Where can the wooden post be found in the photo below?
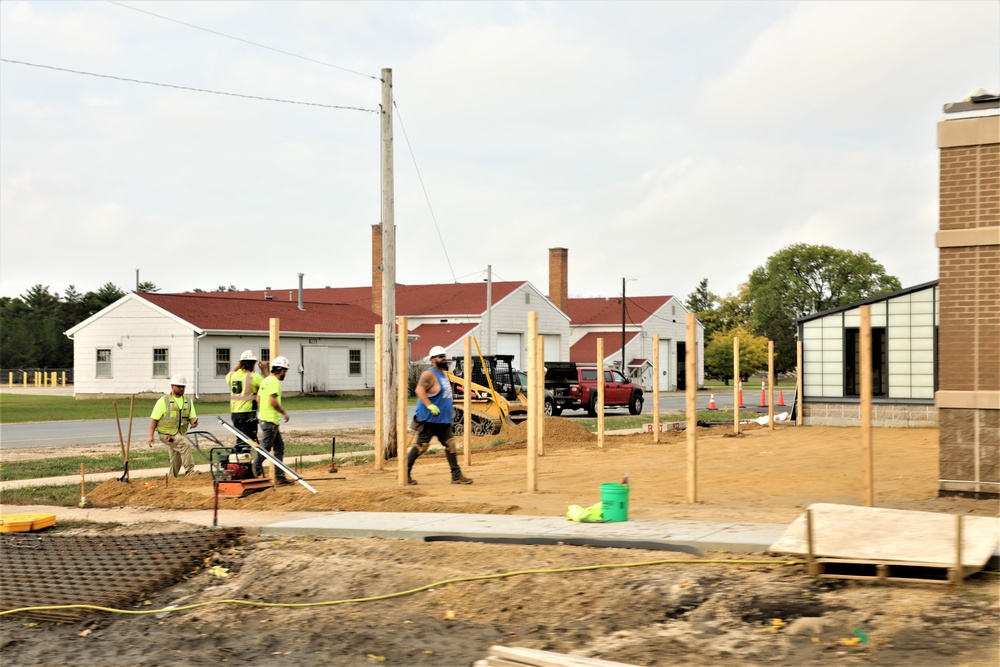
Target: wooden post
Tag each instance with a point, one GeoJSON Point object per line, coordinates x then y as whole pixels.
{"type": "Point", "coordinates": [867, 458]}
{"type": "Point", "coordinates": [798, 383]}
{"type": "Point", "coordinates": [532, 397]}
{"type": "Point", "coordinates": [736, 385]}
{"type": "Point", "coordinates": [467, 405]}
{"type": "Point", "coordinates": [656, 388]}
{"type": "Point", "coordinates": [275, 338]}
{"type": "Point", "coordinates": [600, 393]}
{"type": "Point", "coordinates": [402, 396]}
{"type": "Point", "coordinates": [691, 428]}
{"type": "Point", "coordinates": [770, 386]}
{"type": "Point", "coordinates": [959, 574]}
{"type": "Point", "coordinates": [389, 387]}
{"type": "Point", "coordinates": [811, 568]}
{"type": "Point", "coordinates": [379, 440]}
{"type": "Point", "coordinates": [83, 487]}
{"type": "Point", "coordinates": [538, 386]}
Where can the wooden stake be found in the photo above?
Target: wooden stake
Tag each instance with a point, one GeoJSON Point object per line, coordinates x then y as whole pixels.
{"type": "Point", "coordinates": [958, 574]}
{"type": "Point", "coordinates": [600, 393]}
{"type": "Point", "coordinates": [467, 405]}
{"type": "Point", "coordinates": [770, 386]}
{"type": "Point", "coordinates": [121, 440]}
{"type": "Point", "coordinates": [538, 386]}
{"type": "Point", "coordinates": [656, 388]}
{"type": "Point", "coordinates": [810, 554]}
{"type": "Point", "coordinates": [83, 487]}
{"type": "Point", "coordinates": [736, 385]}
{"type": "Point", "coordinates": [798, 384]}
{"type": "Point", "coordinates": [378, 439]}
{"type": "Point", "coordinates": [128, 443]}
{"type": "Point", "coordinates": [402, 395]}
{"type": "Point", "coordinates": [691, 352]}
{"type": "Point", "coordinates": [532, 462]}
{"type": "Point", "coordinates": [274, 337]}
{"type": "Point", "coordinates": [867, 458]}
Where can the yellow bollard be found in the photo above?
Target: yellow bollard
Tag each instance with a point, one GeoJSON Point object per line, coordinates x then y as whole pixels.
{"type": "Point", "coordinates": [54, 378]}
{"type": "Point", "coordinates": [36, 379]}
{"type": "Point", "coordinates": [10, 379]}
{"type": "Point", "coordinates": [64, 378]}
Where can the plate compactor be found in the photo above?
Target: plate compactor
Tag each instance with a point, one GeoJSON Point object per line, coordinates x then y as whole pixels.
{"type": "Point", "coordinates": [232, 466]}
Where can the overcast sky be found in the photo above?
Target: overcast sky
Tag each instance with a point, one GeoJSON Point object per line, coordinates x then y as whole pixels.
{"type": "Point", "coordinates": [662, 142]}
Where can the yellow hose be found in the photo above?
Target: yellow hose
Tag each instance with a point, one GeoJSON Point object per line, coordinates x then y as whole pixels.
{"type": "Point", "coordinates": [437, 584]}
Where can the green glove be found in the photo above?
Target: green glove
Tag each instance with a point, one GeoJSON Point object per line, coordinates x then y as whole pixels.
{"type": "Point", "coordinates": [434, 410]}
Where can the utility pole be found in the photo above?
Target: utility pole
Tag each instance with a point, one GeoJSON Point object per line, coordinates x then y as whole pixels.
{"type": "Point", "coordinates": [389, 386]}
{"type": "Point", "coordinates": [489, 308]}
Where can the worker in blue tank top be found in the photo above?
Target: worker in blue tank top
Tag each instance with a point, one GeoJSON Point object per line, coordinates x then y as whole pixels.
{"type": "Point", "coordinates": [435, 410]}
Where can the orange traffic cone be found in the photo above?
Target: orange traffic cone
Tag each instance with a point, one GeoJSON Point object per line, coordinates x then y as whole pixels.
{"type": "Point", "coordinates": [763, 394]}
{"type": "Point", "coordinates": [741, 394]}
{"type": "Point", "coordinates": [781, 398]}
{"type": "Point", "coordinates": [711, 402]}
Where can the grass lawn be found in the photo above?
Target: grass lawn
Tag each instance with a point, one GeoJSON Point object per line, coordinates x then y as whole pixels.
{"type": "Point", "coordinates": [20, 408]}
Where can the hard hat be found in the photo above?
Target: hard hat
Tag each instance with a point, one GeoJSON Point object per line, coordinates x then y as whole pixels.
{"type": "Point", "coordinates": [248, 355]}
{"type": "Point", "coordinates": [179, 380]}
{"type": "Point", "coordinates": [438, 351]}
{"type": "Point", "coordinates": [280, 362]}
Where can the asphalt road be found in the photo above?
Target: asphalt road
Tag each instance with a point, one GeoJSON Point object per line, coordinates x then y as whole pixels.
{"type": "Point", "coordinates": [97, 431]}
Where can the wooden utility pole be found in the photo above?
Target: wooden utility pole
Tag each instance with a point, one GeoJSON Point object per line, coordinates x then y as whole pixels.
{"type": "Point", "coordinates": [736, 385]}
{"type": "Point", "coordinates": [379, 403]}
{"type": "Point", "coordinates": [867, 458]}
{"type": "Point", "coordinates": [656, 388]}
{"type": "Point", "coordinates": [389, 335]}
{"type": "Point", "coordinates": [538, 386]}
{"type": "Point", "coordinates": [691, 428]}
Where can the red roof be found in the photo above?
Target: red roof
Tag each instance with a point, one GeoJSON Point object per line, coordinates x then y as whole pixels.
{"type": "Point", "coordinates": [211, 312]}
{"type": "Point", "coordinates": [437, 334]}
{"type": "Point", "coordinates": [584, 351]}
{"type": "Point", "coordinates": [600, 310]}
{"type": "Point", "coordinates": [411, 300]}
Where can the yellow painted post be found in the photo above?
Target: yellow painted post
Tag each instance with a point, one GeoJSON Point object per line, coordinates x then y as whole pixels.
{"type": "Point", "coordinates": [656, 388]}
{"type": "Point", "coordinates": [64, 378]}
{"type": "Point", "coordinates": [53, 379]}
{"type": "Point", "coordinates": [10, 379]}
{"type": "Point", "coordinates": [403, 396]}
{"type": "Point", "coordinates": [691, 428]}
{"type": "Point", "coordinates": [867, 458]}
{"type": "Point", "coordinates": [600, 393]}
{"type": "Point", "coordinates": [532, 397]}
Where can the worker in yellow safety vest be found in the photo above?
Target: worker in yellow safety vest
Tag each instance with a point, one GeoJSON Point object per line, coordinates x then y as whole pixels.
{"type": "Point", "coordinates": [172, 414]}
{"type": "Point", "coordinates": [243, 385]}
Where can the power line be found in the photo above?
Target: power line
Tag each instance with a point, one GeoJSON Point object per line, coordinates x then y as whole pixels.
{"type": "Point", "coordinates": [245, 41]}
{"type": "Point", "coordinates": [197, 90]}
{"type": "Point", "coordinates": [426, 198]}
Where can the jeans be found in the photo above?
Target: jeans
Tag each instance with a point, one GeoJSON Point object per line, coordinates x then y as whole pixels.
{"type": "Point", "coordinates": [273, 443]}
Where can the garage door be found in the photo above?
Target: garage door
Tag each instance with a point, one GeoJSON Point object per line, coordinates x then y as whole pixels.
{"type": "Point", "coordinates": [510, 343]}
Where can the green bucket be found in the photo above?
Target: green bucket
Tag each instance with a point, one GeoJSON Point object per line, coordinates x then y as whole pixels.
{"type": "Point", "coordinates": [614, 502]}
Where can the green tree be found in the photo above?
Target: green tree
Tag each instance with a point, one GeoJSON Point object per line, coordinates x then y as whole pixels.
{"type": "Point", "coordinates": [702, 303]}
{"type": "Point", "coordinates": [103, 297]}
{"type": "Point", "coordinates": [147, 286]}
{"type": "Point", "coordinates": [719, 354]}
{"type": "Point", "coordinates": [802, 279]}
{"type": "Point", "coordinates": [734, 309]}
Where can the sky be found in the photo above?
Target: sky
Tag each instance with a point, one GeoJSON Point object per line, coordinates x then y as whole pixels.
{"type": "Point", "coordinates": [661, 143]}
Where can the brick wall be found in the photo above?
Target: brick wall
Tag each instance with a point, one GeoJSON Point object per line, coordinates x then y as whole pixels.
{"type": "Point", "coordinates": [559, 278]}
{"type": "Point", "coordinates": [968, 397]}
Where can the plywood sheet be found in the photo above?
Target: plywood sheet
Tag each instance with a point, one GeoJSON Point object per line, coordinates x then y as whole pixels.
{"type": "Point", "coordinates": [874, 533]}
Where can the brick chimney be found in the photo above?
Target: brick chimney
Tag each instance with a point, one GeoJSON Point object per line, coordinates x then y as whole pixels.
{"type": "Point", "coordinates": [376, 269]}
{"type": "Point", "coordinates": [559, 278]}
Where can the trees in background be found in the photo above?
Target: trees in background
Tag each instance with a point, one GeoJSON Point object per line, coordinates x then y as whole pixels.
{"type": "Point", "coordinates": [798, 280]}
{"type": "Point", "coordinates": [32, 325]}
{"type": "Point", "coordinates": [719, 354]}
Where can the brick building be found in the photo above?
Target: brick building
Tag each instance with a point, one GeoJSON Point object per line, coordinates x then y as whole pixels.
{"type": "Point", "coordinates": [968, 396]}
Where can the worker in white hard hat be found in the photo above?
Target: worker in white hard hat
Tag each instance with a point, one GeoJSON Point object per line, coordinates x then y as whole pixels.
{"type": "Point", "coordinates": [172, 414]}
{"type": "Point", "coordinates": [270, 413]}
{"type": "Point", "coordinates": [243, 385]}
{"type": "Point", "coordinates": [435, 410]}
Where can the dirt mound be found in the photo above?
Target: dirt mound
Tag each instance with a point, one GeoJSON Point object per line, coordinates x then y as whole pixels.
{"type": "Point", "coordinates": [554, 430]}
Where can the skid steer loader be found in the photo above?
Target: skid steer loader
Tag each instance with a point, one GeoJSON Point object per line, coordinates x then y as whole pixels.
{"type": "Point", "coordinates": [497, 396]}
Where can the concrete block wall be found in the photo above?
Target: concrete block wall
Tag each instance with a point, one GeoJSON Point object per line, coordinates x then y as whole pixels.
{"type": "Point", "coordinates": [883, 415]}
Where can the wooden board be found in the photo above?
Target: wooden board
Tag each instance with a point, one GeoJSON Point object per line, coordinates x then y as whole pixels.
{"type": "Point", "coordinates": [875, 534]}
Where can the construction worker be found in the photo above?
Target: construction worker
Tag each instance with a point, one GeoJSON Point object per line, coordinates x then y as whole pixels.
{"type": "Point", "coordinates": [270, 414]}
{"type": "Point", "coordinates": [172, 414]}
{"type": "Point", "coordinates": [435, 410]}
{"type": "Point", "coordinates": [243, 385]}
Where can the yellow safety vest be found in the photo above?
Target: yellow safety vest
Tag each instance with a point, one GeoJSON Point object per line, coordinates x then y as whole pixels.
{"type": "Point", "coordinates": [242, 394]}
{"type": "Point", "coordinates": [174, 421]}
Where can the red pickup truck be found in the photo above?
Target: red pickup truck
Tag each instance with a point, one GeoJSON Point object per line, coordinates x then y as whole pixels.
{"type": "Point", "coordinates": [574, 387]}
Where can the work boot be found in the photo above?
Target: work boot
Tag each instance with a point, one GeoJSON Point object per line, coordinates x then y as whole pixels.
{"type": "Point", "coordinates": [411, 458]}
{"type": "Point", "coordinates": [456, 472]}
{"type": "Point", "coordinates": [283, 481]}
{"type": "Point", "coordinates": [411, 481]}
{"type": "Point", "coordinates": [461, 479]}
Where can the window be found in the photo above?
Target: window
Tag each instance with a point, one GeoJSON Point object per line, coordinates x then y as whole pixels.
{"type": "Point", "coordinates": [354, 360]}
{"type": "Point", "coordinates": [221, 361]}
{"type": "Point", "coordinates": [852, 362]}
{"type": "Point", "coordinates": [161, 362]}
{"type": "Point", "coordinates": [104, 362]}
{"type": "Point", "coordinates": [265, 354]}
